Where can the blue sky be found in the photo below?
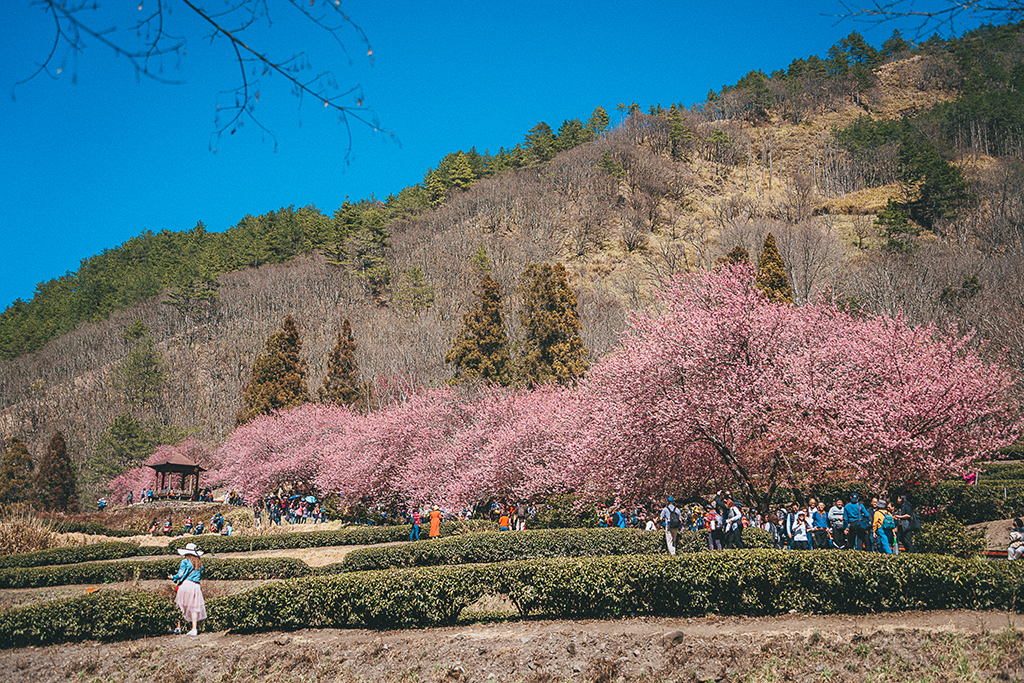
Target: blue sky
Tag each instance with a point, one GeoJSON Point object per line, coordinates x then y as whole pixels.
{"type": "Point", "coordinates": [95, 156]}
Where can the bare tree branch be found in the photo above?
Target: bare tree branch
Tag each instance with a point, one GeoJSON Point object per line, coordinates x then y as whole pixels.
{"type": "Point", "coordinates": [148, 41]}
{"type": "Point", "coordinates": [954, 13]}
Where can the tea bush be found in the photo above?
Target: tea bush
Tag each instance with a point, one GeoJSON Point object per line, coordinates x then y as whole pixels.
{"type": "Point", "coordinates": [947, 536]}
{"type": "Point", "coordinates": [111, 550]}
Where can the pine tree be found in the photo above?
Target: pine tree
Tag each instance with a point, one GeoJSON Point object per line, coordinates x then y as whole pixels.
{"type": "Point", "coordinates": [56, 487]}
{"type": "Point", "coordinates": [771, 273]}
{"type": "Point", "coordinates": [481, 350]}
{"type": "Point", "coordinates": [460, 174]}
{"type": "Point", "coordinates": [598, 121]}
{"type": "Point", "coordinates": [278, 376]}
{"type": "Point", "coordinates": [737, 255]}
{"type": "Point", "coordinates": [413, 295]}
{"type": "Point", "coordinates": [141, 374]}
{"type": "Point", "coordinates": [342, 385]}
{"type": "Point", "coordinates": [435, 189]}
{"type": "Point", "coordinates": [15, 473]}
{"type": "Point", "coordinates": [125, 444]}
{"type": "Point", "coordinates": [553, 349]}
{"type": "Point", "coordinates": [894, 222]}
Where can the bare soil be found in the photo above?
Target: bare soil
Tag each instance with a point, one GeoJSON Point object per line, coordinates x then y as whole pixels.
{"type": "Point", "coordinates": [918, 646]}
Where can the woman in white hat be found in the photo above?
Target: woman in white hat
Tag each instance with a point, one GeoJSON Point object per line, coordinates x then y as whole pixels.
{"type": "Point", "coordinates": [190, 596]}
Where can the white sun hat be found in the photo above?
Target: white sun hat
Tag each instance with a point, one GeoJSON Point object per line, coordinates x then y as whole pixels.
{"type": "Point", "coordinates": [190, 549]}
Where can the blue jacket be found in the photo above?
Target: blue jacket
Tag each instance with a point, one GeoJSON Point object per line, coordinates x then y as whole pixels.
{"type": "Point", "coordinates": [187, 572]}
{"type": "Point", "coordinates": [856, 513]}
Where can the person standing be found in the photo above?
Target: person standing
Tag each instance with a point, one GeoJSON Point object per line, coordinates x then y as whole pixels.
{"type": "Point", "coordinates": [733, 525]}
{"type": "Point", "coordinates": [672, 520]}
{"type": "Point", "coordinates": [835, 523]}
{"type": "Point", "coordinates": [189, 597]}
{"type": "Point", "coordinates": [908, 523]}
{"type": "Point", "coordinates": [1015, 549]}
{"type": "Point", "coordinates": [435, 522]}
{"type": "Point", "coordinates": [880, 524]}
{"type": "Point", "coordinates": [858, 524]}
{"type": "Point", "coordinates": [800, 528]}
{"type": "Point", "coordinates": [414, 535]}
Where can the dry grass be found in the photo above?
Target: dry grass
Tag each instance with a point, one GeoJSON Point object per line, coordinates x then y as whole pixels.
{"type": "Point", "coordinates": [23, 530]}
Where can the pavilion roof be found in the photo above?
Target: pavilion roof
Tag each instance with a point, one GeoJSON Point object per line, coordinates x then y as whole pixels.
{"type": "Point", "coordinates": [175, 462]}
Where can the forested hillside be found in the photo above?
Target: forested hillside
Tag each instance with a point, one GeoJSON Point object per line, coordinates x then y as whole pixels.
{"type": "Point", "coordinates": [891, 176]}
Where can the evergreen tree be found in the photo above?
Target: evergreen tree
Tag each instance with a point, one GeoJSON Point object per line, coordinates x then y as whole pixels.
{"type": "Point", "coordinates": [771, 273]}
{"type": "Point", "coordinates": [480, 351]}
{"type": "Point", "coordinates": [56, 487]}
{"type": "Point", "coordinates": [460, 174]}
{"type": "Point", "coordinates": [193, 295]}
{"type": "Point", "coordinates": [598, 121]}
{"type": "Point", "coordinates": [141, 374]}
{"type": "Point", "coordinates": [342, 385]}
{"type": "Point", "coordinates": [737, 255]}
{"type": "Point", "coordinates": [278, 376]}
{"type": "Point", "coordinates": [413, 295]}
{"type": "Point", "coordinates": [435, 189]}
{"type": "Point", "coordinates": [15, 473]}
{"type": "Point", "coordinates": [125, 444]}
{"type": "Point", "coordinates": [894, 223]}
{"type": "Point", "coordinates": [553, 349]}
{"type": "Point", "coordinates": [541, 141]}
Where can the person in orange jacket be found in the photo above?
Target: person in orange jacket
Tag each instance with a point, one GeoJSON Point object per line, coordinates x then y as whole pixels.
{"type": "Point", "coordinates": [435, 522]}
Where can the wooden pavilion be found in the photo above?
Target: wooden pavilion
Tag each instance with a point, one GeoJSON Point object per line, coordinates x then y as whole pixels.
{"type": "Point", "coordinates": [175, 463]}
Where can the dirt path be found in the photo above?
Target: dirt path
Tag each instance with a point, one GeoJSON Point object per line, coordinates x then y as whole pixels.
{"type": "Point", "coordinates": [920, 646]}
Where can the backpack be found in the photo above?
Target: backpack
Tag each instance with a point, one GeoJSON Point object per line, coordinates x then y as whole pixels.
{"type": "Point", "coordinates": [674, 522]}
{"type": "Point", "coordinates": [888, 522]}
{"type": "Point", "coordinates": [915, 521]}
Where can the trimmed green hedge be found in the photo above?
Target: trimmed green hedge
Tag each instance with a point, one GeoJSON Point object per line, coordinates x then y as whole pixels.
{"type": "Point", "coordinates": [92, 528]}
{"type": "Point", "coordinates": [500, 546]}
{"type": "Point", "coordinates": [748, 582]}
{"type": "Point", "coordinates": [113, 572]}
{"type": "Point", "coordinates": [104, 615]}
{"type": "Point", "coordinates": [363, 535]}
{"type": "Point", "coordinates": [112, 550]}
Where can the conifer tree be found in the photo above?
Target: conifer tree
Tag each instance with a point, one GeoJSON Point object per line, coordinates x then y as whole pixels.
{"type": "Point", "coordinates": [553, 349]}
{"type": "Point", "coordinates": [15, 473]}
{"type": "Point", "coordinates": [413, 294]}
{"type": "Point", "coordinates": [481, 350]}
{"type": "Point", "coordinates": [342, 385]}
{"type": "Point", "coordinates": [737, 255]}
{"type": "Point", "coordinates": [435, 189]}
{"type": "Point", "coordinates": [278, 376]}
{"type": "Point", "coordinates": [56, 487]}
{"type": "Point", "coordinates": [460, 174]}
{"type": "Point", "coordinates": [141, 374]}
{"type": "Point", "coordinates": [771, 273]}
{"type": "Point", "coordinates": [598, 121]}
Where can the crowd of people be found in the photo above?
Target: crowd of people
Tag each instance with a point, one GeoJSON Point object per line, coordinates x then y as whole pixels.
{"type": "Point", "coordinates": [292, 510]}
{"type": "Point", "coordinates": [882, 527]}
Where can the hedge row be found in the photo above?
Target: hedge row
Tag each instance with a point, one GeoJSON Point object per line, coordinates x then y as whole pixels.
{"type": "Point", "coordinates": [111, 550]}
{"type": "Point", "coordinates": [113, 572]}
{"type": "Point", "coordinates": [501, 546]}
{"type": "Point", "coordinates": [110, 615]}
{"type": "Point", "coordinates": [364, 535]}
{"type": "Point", "coordinates": [749, 582]}
{"type": "Point", "coordinates": [93, 529]}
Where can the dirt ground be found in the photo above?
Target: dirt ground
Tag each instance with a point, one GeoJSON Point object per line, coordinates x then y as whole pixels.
{"type": "Point", "coordinates": [918, 646]}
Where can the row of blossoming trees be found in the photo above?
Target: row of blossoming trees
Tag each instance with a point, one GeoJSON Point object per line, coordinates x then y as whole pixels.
{"type": "Point", "coordinates": [715, 384]}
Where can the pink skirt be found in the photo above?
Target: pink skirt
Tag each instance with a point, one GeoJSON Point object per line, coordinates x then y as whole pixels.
{"type": "Point", "coordinates": [190, 601]}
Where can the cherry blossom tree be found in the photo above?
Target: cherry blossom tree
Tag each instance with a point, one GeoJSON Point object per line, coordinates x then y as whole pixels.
{"type": "Point", "coordinates": [722, 385]}
{"type": "Point", "coordinates": [140, 478]}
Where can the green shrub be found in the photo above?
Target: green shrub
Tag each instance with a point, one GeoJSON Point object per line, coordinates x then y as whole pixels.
{"type": "Point", "coordinates": [92, 528]}
{"type": "Point", "coordinates": [361, 535]}
{"type": "Point", "coordinates": [949, 537]}
{"type": "Point", "coordinates": [111, 550]}
{"type": "Point", "coordinates": [112, 615]}
{"type": "Point", "coordinates": [501, 546]}
{"type": "Point", "coordinates": [114, 572]}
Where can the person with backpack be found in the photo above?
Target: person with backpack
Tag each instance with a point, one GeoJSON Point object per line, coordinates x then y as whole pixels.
{"type": "Point", "coordinates": [672, 520]}
{"type": "Point", "coordinates": [857, 523]}
{"type": "Point", "coordinates": [733, 525]}
{"type": "Point", "coordinates": [881, 524]}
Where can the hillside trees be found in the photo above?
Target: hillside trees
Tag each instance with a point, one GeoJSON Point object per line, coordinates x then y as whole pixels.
{"type": "Point", "coordinates": [278, 376]}
{"type": "Point", "coordinates": [16, 473]}
{"type": "Point", "coordinates": [771, 273]}
{"type": "Point", "coordinates": [552, 349]}
{"type": "Point", "coordinates": [141, 374]}
{"type": "Point", "coordinates": [480, 350]}
{"type": "Point", "coordinates": [342, 384]}
{"type": "Point", "coordinates": [125, 444]}
{"type": "Point", "coordinates": [56, 487]}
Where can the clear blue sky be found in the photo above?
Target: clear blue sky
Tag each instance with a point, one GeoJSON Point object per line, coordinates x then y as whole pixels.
{"type": "Point", "coordinates": [94, 157]}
